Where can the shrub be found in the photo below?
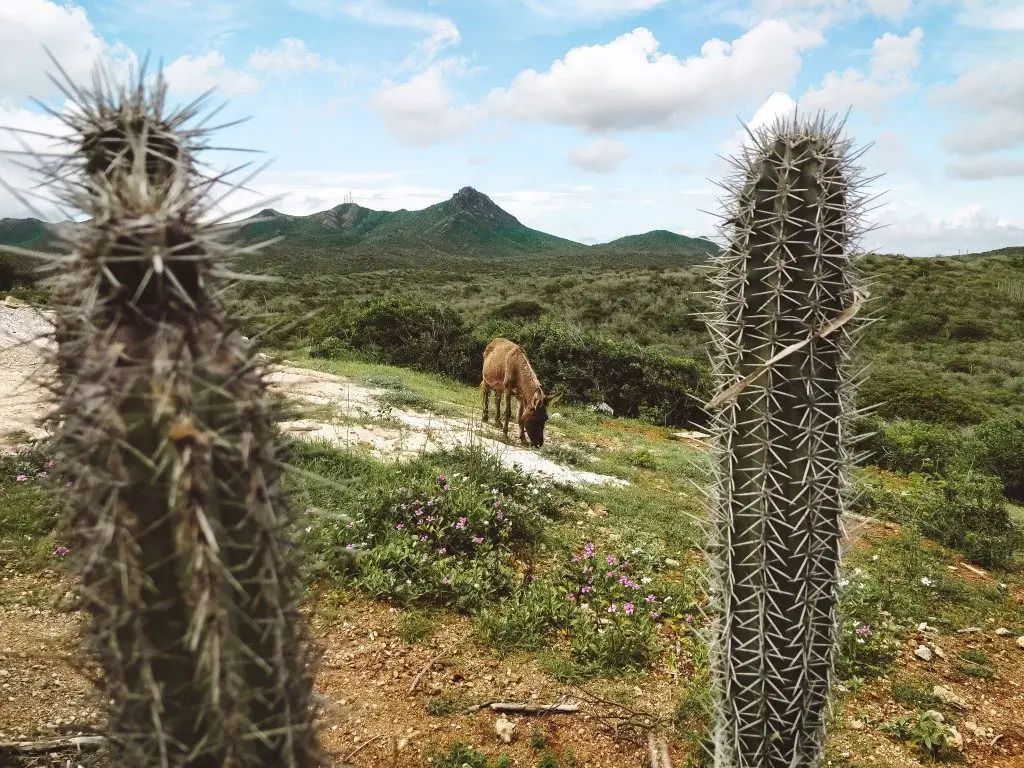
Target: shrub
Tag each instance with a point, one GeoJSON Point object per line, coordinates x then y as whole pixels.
{"type": "Point", "coordinates": [913, 446]}
{"type": "Point", "coordinates": [519, 309]}
{"type": "Point", "coordinates": [917, 396]}
{"type": "Point", "coordinates": [963, 511]}
{"type": "Point", "coordinates": [1002, 451]}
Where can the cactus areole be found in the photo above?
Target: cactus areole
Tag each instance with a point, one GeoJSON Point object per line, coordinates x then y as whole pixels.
{"type": "Point", "coordinates": [785, 294]}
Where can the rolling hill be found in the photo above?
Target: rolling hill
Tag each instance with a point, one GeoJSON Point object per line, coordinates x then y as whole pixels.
{"type": "Point", "coordinates": [467, 230]}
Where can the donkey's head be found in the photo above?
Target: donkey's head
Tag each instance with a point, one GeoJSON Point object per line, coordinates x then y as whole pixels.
{"type": "Point", "coordinates": [535, 416]}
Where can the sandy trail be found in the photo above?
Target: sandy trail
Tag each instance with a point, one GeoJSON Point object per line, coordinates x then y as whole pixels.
{"type": "Point", "coordinates": [404, 433]}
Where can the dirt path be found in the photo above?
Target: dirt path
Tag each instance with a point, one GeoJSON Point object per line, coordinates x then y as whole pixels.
{"type": "Point", "coordinates": [405, 433]}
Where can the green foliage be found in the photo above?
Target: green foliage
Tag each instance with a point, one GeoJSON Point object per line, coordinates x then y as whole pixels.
{"type": "Point", "coordinates": [446, 529]}
{"type": "Point", "coordinates": [964, 511]}
{"type": "Point", "coordinates": [578, 364]}
{"type": "Point", "coordinates": [1002, 450]}
{"type": "Point", "coordinates": [916, 694]}
{"type": "Point", "coordinates": [913, 446]}
{"type": "Point", "coordinates": [904, 392]}
{"type": "Point", "coordinates": [461, 755]}
{"type": "Point", "coordinates": [29, 511]}
{"type": "Point", "coordinates": [925, 731]}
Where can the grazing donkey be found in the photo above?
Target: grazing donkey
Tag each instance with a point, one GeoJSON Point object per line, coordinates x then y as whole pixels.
{"type": "Point", "coordinates": [507, 371]}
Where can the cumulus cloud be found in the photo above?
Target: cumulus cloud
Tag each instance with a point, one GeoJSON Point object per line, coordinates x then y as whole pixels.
{"type": "Point", "coordinates": [1003, 15]}
{"type": "Point", "coordinates": [628, 83]}
{"type": "Point", "coordinates": [602, 155]}
{"type": "Point", "coordinates": [189, 74]}
{"type": "Point", "coordinates": [15, 120]}
{"type": "Point", "coordinates": [969, 228]}
{"type": "Point", "coordinates": [992, 94]}
{"type": "Point", "coordinates": [26, 26]}
{"type": "Point", "coordinates": [422, 110]}
{"type": "Point", "coordinates": [290, 56]}
{"type": "Point", "coordinates": [995, 167]}
{"type": "Point", "coordinates": [888, 76]}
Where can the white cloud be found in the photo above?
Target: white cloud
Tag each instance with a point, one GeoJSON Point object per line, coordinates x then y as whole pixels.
{"type": "Point", "coordinates": [779, 104]}
{"type": "Point", "coordinates": [628, 83]}
{"type": "Point", "coordinates": [28, 25]}
{"type": "Point", "coordinates": [440, 32]}
{"type": "Point", "coordinates": [421, 111]}
{"type": "Point", "coordinates": [209, 70]}
{"type": "Point", "coordinates": [602, 155]}
{"type": "Point", "coordinates": [969, 228]}
{"type": "Point", "coordinates": [893, 58]}
{"type": "Point", "coordinates": [993, 167]}
{"type": "Point", "coordinates": [290, 56]}
{"type": "Point", "coordinates": [1004, 15]}
{"type": "Point", "coordinates": [992, 95]}
{"type": "Point", "coordinates": [591, 9]}
{"type": "Point", "coordinates": [12, 168]}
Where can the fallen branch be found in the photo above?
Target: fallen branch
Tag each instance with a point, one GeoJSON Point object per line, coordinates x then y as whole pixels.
{"type": "Point", "coordinates": [533, 709]}
{"type": "Point", "coordinates": [426, 667]}
{"type": "Point", "coordinates": [54, 745]}
{"type": "Point", "coordinates": [658, 748]}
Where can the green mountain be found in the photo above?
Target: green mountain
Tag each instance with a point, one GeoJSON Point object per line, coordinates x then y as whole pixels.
{"type": "Point", "coordinates": [466, 231]}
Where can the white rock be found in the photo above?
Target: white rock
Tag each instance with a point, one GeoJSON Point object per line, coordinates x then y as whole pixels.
{"type": "Point", "coordinates": [504, 728]}
{"type": "Point", "coordinates": [923, 652]}
{"type": "Point", "coordinates": [947, 696]}
{"type": "Point", "coordinates": [939, 652]}
{"type": "Point", "coordinates": [1020, 642]}
{"type": "Point", "coordinates": [1003, 632]}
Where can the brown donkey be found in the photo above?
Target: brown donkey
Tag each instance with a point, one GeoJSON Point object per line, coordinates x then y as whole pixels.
{"type": "Point", "coordinates": [507, 371]}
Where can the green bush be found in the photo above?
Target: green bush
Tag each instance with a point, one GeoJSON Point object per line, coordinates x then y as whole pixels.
{"type": "Point", "coordinates": [1002, 451]}
{"type": "Point", "coordinates": [964, 511]}
{"type": "Point", "coordinates": [580, 365]}
{"type": "Point", "coordinates": [912, 394]}
{"type": "Point", "coordinates": [913, 446]}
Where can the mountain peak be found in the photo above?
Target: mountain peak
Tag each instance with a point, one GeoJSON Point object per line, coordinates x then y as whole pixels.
{"type": "Point", "coordinates": [481, 208]}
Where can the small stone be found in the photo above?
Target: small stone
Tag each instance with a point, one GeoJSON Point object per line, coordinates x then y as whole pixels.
{"type": "Point", "coordinates": [939, 652]}
{"type": "Point", "coordinates": [923, 652]}
{"type": "Point", "coordinates": [857, 725]}
{"type": "Point", "coordinates": [672, 563]}
{"type": "Point", "coordinates": [504, 728]}
{"type": "Point", "coordinates": [1020, 642]}
{"type": "Point", "coordinates": [1003, 632]}
{"type": "Point", "coordinates": [947, 696]}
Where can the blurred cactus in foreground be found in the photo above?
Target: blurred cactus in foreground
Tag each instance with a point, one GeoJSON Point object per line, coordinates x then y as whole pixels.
{"type": "Point", "coordinates": [785, 291]}
{"type": "Point", "coordinates": [163, 423]}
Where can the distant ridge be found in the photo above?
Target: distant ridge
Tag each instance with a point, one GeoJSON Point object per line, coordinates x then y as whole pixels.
{"type": "Point", "coordinates": [468, 228]}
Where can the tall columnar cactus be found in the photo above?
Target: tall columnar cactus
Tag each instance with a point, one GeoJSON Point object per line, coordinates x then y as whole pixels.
{"type": "Point", "coordinates": [163, 423]}
{"type": "Point", "coordinates": [785, 289]}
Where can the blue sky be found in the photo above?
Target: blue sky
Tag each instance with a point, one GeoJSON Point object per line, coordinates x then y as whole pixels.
{"type": "Point", "coordinates": [589, 119]}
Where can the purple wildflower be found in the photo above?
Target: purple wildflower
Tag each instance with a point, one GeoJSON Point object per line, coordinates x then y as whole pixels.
{"type": "Point", "coordinates": [612, 608]}
{"type": "Point", "coordinates": [863, 630]}
{"type": "Point", "coordinates": [650, 598]}
{"type": "Point", "coordinates": [60, 550]}
{"type": "Point", "coordinates": [461, 524]}
{"type": "Point", "coordinates": [478, 539]}
{"type": "Point", "coordinates": [612, 559]}
{"type": "Point", "coordinates": [21, 478]}
{"type": "Point", "coordinates": [588, 550]}
{"type": "Point", "coordinates": [399, 527]}
{"type": "Point", "coordinates": [628, 608]}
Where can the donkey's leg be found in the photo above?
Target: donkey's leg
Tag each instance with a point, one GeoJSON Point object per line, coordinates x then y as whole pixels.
{"type": "Point", "coordinates": [508, 410]}
{"type": "Point", "coordinates": [487, 398]}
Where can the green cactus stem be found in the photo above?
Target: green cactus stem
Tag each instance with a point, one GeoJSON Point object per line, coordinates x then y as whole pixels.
{"type": "Point", "coordinates": [163, 423]}
{"type": "Point", "coordinates": [786, 295]}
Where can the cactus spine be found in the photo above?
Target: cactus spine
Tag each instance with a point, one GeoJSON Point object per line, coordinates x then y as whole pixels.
{"type": "Point", "coordinates": [163, 423]}
{"type": "Point", "coordinates": [785, 289]}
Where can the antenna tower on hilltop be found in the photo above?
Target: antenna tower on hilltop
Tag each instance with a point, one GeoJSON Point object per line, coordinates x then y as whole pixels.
{"type": "Point", "coordinates": [348, 197]}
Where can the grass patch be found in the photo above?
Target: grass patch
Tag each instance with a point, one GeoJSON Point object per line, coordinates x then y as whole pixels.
{"type": "Point", "coordinates": [29, 509]}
